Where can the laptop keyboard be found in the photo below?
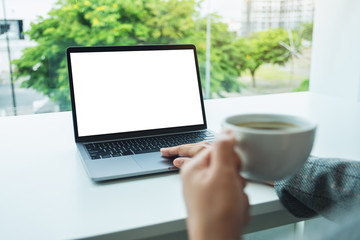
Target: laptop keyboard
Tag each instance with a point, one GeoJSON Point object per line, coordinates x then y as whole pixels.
{"type": "Point", "coordinates": [100, 150]}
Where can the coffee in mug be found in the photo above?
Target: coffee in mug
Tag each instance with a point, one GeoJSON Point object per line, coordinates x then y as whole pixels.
{"type": "Point", "coordinates": [268, 125]}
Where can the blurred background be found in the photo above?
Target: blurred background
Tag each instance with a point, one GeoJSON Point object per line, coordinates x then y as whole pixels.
{"type": "Point", "coordinates": [245, 47]}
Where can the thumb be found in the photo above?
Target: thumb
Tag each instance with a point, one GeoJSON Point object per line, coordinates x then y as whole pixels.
{"type": "Point", "coordinates": [180, 161]}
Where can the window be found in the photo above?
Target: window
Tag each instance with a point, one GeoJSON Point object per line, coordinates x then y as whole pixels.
{"type": "Point", "coordinates": [239, 54]}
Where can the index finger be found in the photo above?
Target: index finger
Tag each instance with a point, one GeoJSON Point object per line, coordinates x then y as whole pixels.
{"type": "Point", "coordinates": [186, 150]}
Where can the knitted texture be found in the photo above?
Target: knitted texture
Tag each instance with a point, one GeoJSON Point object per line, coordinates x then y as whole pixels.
{"type": "Point", "coordinates": [326, 186]}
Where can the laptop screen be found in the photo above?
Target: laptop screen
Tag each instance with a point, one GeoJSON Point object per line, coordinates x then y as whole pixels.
{"type": "Point", "coordinates": [130, 91]}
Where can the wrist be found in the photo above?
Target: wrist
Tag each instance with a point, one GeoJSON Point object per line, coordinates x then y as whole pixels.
{"type": "Point", "coordinates": [203, 230]}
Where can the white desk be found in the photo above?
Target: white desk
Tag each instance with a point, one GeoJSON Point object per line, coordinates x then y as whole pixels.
{"type": "Point", "coordinates": [46, 194]}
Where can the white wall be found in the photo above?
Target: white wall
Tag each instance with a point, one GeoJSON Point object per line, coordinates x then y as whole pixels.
{"type": "Point", "coordinates": [335, 67]}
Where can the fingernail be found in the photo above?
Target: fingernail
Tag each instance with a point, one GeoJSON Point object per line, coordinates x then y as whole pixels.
{"type": "Point", "coordinates": [178, 162]}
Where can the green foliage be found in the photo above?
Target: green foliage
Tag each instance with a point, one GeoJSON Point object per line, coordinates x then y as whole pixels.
{"type": "Point", "coordinates": [131, 22]}
{"type": "Point", "coordinates": [306, 31]}
{"type": "Point", "coordinates": [100, 22]}
{"type": "Point", "coordinates": [227, 56]}
{"type": "Point", "coordinates": [265, 47]}
{"type": "Point", "coordinates": [304, 86]}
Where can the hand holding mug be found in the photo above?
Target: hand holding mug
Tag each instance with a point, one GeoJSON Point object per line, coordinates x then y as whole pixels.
{"type": "Point", "coordinates": [213, 189]}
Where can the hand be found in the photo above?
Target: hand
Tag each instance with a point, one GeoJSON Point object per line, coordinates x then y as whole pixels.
{"type": "Point", "coordinates": [186, 151]}
{"type": "Point", "coordinates": [214, 195]}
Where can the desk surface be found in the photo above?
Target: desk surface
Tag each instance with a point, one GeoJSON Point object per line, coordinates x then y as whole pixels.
{"type": "Point", "coordinates": [46, 194]}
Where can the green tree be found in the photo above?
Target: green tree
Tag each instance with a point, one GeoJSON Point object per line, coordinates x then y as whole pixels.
{"type": "Point", "coordinates": [227, 56]}
{"type": "Point", "coordinates": [265, 47]}
{"type": "Point", "coordinates": [306, 31]}
{"type": "Point", "coordinates": [100, 22]}
{"type": "Point", "coordinates": [122, 22]}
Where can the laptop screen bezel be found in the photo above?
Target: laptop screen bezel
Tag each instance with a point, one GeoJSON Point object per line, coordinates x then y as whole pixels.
{"type": "Point", "coordinates": [133, 134]}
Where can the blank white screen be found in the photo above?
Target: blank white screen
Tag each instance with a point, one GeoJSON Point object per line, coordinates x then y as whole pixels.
{"type": "Point", "coordinates": [118, 92]}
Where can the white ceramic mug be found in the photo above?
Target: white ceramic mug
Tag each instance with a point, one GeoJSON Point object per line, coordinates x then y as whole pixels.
{"type": "Point", "coordinates": [271, 146]}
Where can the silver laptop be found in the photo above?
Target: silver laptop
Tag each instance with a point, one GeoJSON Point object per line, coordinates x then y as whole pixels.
{"type": "Point", "coordinates": [129, 101]}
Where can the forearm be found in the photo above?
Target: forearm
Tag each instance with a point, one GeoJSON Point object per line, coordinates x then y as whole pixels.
{"type": "Point", "coordinates": [322, 185]}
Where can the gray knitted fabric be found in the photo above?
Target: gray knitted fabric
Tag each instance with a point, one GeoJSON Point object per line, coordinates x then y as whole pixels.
{"type": "Point", "coordinates": [326, 186]}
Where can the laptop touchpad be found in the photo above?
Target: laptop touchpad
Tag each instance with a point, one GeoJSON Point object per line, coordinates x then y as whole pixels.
{"type": "Point", "coordinates": [153, 161]}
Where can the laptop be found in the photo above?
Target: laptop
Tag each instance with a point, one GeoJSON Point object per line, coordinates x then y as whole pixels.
{"type": "Point", "coordinates": [130, 101]}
